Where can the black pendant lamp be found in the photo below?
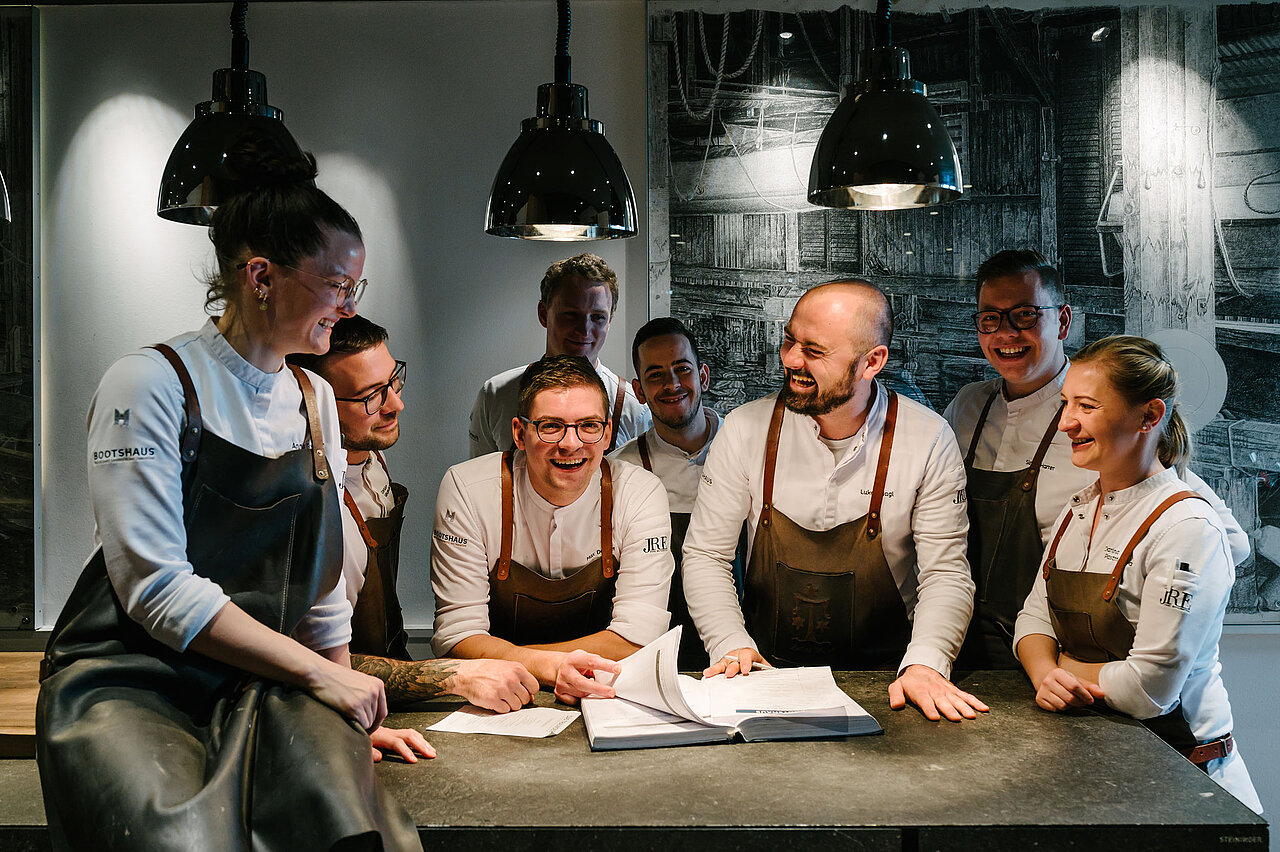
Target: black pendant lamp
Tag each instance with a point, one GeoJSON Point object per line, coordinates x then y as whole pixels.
{"type": "Point", "coordinates": [195, 179]}
{"type": "Point", "coordinates": [885, 148]}
{"type": "Point", "coordinates": [561, 179]}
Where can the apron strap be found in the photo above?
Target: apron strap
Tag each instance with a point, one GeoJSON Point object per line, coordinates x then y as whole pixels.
{"type": "Point", "coordinates": [642, 444]}
{"type": "Point", "coordinates": [618, 399]}
{"type": "Point", "coordinates": [1110, 591]}
{"type": "Point", "coordinates": [1034, 470]}
{"type": "Point", "coordinates": [377, 454]}
{"type": "Point", "coordinates": [508, 517]}
{"type": "Point", "coordinates": [189, 442]}
{"type": "Point", "coordinates": [313, 423]}
{"type": "Point", "coordinates": [771, 459]}
{"type": "Point", "coordinates": [1053, 548]}
{"type": "Point", "coordinates": [355, 513]}
{"type": "Point", "coordinates": [606, 519]}
{"type": "Point", "coordinates": [977, 430]}
{"type": "Point", "coordinates": [882, 466]}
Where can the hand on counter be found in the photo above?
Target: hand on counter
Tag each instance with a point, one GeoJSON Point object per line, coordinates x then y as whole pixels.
{"type": "Point", "coordinates": [741, 661]}
{"type": "Point", "coordinates": [573, 676]}
{"type": "Point", "coordinates": [402, 741]}
{"type": "Point", "coordinates": [934, 695]}
{"type": "Point", "coordinates": [498, 685]}
{"type": "Point", "coordinates": [1060, 689]}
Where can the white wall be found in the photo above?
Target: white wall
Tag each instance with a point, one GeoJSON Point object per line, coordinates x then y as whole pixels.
{"type": "Point", "coordinates": [409, 107]}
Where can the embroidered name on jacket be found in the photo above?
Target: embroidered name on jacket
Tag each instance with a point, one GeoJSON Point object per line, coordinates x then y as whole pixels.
{"type": "Point", "coordinates": [123, 454]}
{"type": "Point", "coordinates": [448, 539]}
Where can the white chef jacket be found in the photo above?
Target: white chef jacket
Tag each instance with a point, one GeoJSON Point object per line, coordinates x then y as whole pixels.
{"type": "Point", "coordinates": [552, 540]}
{"type": "Point", "coordinates": [370, 487]}
{"type": "Point", "coordinates": [679, 471]}
{"type": "Point", "coordinates": [499, 400]}
{"type": "Point", "coordinates": [135, 476]}
{"type": "Point", "coordinates": [1174, 658]}
{"type": "Point", "coordinates": [924, 533]}
{"type": "Point", "coordinates": [1012, 433]}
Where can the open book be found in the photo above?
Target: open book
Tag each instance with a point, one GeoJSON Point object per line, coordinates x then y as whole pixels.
{"type": "Point", "coordinates": [656, 706]}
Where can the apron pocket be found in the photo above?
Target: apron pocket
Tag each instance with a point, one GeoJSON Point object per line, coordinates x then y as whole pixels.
{"type": "Point", "coordinates": [814, 614]}
{"type": "Point", "coordinates": [1075, 634]}
{"type": "Point", "coordinates": [537, 622]}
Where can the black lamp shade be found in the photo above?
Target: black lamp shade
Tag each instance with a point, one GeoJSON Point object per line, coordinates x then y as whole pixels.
{"type": "Point", "coordinates": [195, 179]}
{"type": "Point", "coordinates": [885, 148]}
{"type": "Point", "coordinates": [561, 180]}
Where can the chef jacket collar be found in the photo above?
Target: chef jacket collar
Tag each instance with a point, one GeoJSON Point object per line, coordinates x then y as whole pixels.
{"type": "Point", "coordinates": [228, 357]}
{"type": "Point", "coordinates": [698, 456]}
{"type": "Point", "coordinates": [1132, 494]}
{"type": "Point", "coordinates": [535, 501]}
{"type": "Point", "coordinates": [1051, 390]}
{"type": "Point", "coordinates": [875, 417]}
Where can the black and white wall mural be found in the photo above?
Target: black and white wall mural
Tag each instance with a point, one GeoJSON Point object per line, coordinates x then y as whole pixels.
{"type": "Point", "coordinates": [1139, 146]}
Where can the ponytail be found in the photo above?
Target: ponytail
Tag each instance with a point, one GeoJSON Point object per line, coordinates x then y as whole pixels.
{"type": "Point", "coordinates": [1174, 449]}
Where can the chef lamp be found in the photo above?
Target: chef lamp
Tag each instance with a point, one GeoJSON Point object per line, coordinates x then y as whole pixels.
{"type": "Point", "coordinates": [561, 179]}
{"type": "Point", "coordinates": [885, 148]}
{"type": "Point", "coordinates": [195, 179]}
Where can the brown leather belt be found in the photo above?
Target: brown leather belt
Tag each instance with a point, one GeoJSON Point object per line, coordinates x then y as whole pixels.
{"type": "Point", "coordinates": [1212, 750]}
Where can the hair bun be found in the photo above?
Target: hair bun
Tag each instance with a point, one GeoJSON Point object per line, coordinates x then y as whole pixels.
{"type": "Point", "coordinates": [258, 161]}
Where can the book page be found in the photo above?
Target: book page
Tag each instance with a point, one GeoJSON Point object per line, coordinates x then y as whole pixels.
{"type": "Point", "coordinates": [800, 691]}
{"type": "Point", "coordinates": [650, 677]}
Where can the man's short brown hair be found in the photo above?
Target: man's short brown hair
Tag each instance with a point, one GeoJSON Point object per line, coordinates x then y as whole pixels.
{"type": "Point", "coordinates": [1017, 261]}
{"type": "Point", "coordinates": [589, 267]}
{"type": "Point", "coordinates": [554, 372]}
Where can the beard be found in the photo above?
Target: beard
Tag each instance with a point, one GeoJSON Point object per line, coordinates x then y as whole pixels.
{"type": "Point", "coordinates": [682, 420]}
{"type": "Point", "coordinates": [372, 441]}
{"type": "Point", "coordinates": [820, 400]}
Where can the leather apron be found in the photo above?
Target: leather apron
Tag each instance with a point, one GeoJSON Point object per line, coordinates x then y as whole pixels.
{"type": "Point", "coordinates": [618, 399]}
{"type": "Point", "coordinates": [1004, 550]}
{"type": "Point", "coordinates": [691, 655]}
{"type": "Point", "coordinates": [377, 625]}
{"type": "Point", "coordinates": [1089, 624]}
{"type": "Point", "coordinates": [825, 597]}
{"type": "Point", "coordinates": [144, 747]}
{"type": "Point", "coordinates": [526, 608]}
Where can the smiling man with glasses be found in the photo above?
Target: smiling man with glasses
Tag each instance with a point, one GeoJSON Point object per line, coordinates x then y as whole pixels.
{"type": "Point", "coordinates": [1017, 463]}
{"type": "Point", "coordinates": [548, 554]}
{"type": "Point", "coordinates": [368, 385]}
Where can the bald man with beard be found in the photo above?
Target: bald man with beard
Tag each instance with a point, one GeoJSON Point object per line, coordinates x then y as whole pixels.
{"type": "Point", "coordinates": [856, 497]}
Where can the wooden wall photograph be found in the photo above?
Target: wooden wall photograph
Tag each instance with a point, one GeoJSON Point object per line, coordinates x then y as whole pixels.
{"type": "Point", "coordinates": [1136, 146]}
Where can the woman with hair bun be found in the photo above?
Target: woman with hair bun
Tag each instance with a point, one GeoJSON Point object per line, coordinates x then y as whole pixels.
{"type": "Point", "coordinates": [197, 692]}
{"type": "Point", "coordinates": [1128, 605]}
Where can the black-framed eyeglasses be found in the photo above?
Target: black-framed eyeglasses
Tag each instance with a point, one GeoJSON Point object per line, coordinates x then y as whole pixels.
{"type": "Point", "coordinates": [1021, 318]}
{"type": "Point", "coordinates": [342, 290]}
{"type": "Point", "coordinates": [553, 431]}
{"type": "Point", "coordinates": [376, 398]}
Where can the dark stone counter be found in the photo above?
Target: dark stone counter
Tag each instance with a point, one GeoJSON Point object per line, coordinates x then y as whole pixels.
{"type": "Point", "coordinates": [1016, 778]}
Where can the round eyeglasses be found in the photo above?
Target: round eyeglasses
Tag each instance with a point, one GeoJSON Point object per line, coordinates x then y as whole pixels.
{"type": "Point", "coordinates": [376, 398]}
{"type": "Point", "coordinates": [553, 431]}
{"type": "Point", "coordinates": [1021, 318]}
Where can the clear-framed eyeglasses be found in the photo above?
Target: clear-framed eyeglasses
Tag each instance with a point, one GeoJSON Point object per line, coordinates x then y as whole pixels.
{"type": "Point", "coordinates": [377, 398]}
{"type": "Point", "coordinates": [553, 431]}
{"type": "Point", "coordinates": [343, 290]}
{"type": "Point", "coordinates": [1021, 318]}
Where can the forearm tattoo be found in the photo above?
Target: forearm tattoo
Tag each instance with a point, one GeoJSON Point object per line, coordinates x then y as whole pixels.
{"type": "Point", "coordinates": [408, 680]}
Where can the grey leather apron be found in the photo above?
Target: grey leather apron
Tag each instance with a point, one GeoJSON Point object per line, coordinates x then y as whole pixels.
{"type": "Point", "coordinates": [1004, 550]}
{"type": "Point", "coordinates": [825, 597]}
{"type": "Point", "coordinates": [377, 625]}
{"type": "Point", "coordinates": [1091, 628]}
{"type": "Point", "coordinates": [144, 747]}
{"type": "Point", "coordinates": [526, 608]}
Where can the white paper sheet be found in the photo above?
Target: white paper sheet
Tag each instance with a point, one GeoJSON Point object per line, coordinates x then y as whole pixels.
{"type": "Point", "coordinates": [527, 722]}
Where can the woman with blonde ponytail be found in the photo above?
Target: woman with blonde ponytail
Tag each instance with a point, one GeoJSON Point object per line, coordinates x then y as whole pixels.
{"type": "Point", "coordinates": [1127, 608]}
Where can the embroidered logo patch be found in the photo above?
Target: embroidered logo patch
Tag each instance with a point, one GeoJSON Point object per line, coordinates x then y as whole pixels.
{"type": "Point", "coordinates": [120, 454]}
{"type": "Point", "coordinates": [445, 538]}
{"type": "Point", "coordinates": [120, 418]}
{"type": "Point", "coordinates": [1179, 599]}
{"type": "Point", "coordinates": [655, 544]}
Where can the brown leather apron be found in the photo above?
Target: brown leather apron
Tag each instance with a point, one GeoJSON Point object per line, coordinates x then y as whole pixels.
{"type": "Point", "coordinates": [825, 597]}
{"type": "Point", "coordinates": [142, 747]}
{"type": "Point", "coordinates": [1004, 550]}
{"type": "Point", "coordinates": [526, 608]}
{"type": "Point", "coordinates": [618, 399]}
{"type": "Point", "coordinates": [377, 625]}
{"type": "Point", "coordinates": [1089, 624]}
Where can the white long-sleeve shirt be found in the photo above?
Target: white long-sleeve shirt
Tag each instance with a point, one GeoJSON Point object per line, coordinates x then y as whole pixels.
{"type": "Point", "coordinates": [499, 398]}
{"type": "Point", "coordinates": [552, 540]}
{"type": "Point", "coordinates": [1012, 433]}
{"type": "Point", "coordinates": [1177, 614]}
{"type": "Point", "coordinates": [369, 485]}
{"type": "Point", "coordinates": [925, 527]}
{"type": "Point", "coordinates": [679, 471]}
{"type": "Point", "coordinates": [135, 476]}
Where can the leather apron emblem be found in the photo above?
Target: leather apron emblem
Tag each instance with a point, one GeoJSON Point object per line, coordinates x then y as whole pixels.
{"type": "Point", "coordinates": [825, 597]}
{"type": "Point", "coordinates": [526, 608]}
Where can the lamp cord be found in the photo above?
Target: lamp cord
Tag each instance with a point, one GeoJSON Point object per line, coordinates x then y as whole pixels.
{"type": "Point", "coordinates": [884, 30]}
{"type": "Point", "coordinates": [239, 35]}
{"type": "Point", "coordinates": [562, 42]}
